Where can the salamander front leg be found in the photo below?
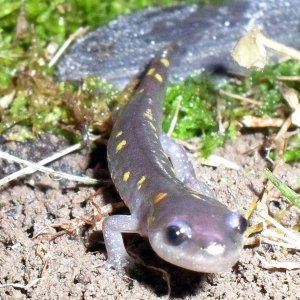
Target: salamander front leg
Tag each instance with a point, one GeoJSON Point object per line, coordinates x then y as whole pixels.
{"type": "Point", "coordinates": [112, 227]}
{"type": "Point", "coordinates": [183, 167]}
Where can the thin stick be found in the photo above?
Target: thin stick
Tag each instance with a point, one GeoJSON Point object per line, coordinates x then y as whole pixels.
{"type": "Point", "coordinates": [239, 97]}
{"type": "Point", "coordinates": [175, 117]}
{"type": "Point", "coordinates": [281, 244]}
{"type": "Point", "coordinates": [293, 53]}
{"type": "Point", "coordinates": [287, 265]}
{"type": "Point", "coordinates": [21, 286]}
{"type": "Point", "coordinates": [268, 233]}
{"type": "Point", "coordinates": [33, 167]}
{"type": "Point", "coordinates": [288, 78]}
{"type": "Point", "coordinates": [289, 233]}
{"type": "Point", "coordinates": [79, 32]}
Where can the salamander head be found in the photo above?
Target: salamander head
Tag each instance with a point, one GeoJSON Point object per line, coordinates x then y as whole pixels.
{"type": "Point", "coordinates": [196, 234]}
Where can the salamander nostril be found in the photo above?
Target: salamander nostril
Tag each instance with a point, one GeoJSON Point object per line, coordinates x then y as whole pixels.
{"type": "Point", "coordinates": [236, 222]}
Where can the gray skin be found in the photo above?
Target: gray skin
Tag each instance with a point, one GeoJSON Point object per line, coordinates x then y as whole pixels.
{"type": "Point", "coordinates": [185, 224]}
{"type": "Point", "coordinates": [120, 50]}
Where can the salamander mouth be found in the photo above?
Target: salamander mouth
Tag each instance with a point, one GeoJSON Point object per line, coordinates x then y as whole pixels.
{"type": "Point", "coordinates": [208, 263]}
{"type": "Point", "coordinates": [214, 257]}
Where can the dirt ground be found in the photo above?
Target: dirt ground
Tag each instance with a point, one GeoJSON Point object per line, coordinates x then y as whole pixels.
{"type": "Point", "coordinates": [40, 261]}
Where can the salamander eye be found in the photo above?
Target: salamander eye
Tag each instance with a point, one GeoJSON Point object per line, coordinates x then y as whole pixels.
{"type": "Point", "coordinates": [237, 222]}
{"type": "Point", "coordinates": [178, 232]}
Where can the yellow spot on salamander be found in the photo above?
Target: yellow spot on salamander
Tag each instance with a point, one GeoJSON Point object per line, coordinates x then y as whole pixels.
{"type": "Point", "coordinates": [148, 114]}
{"type": "Point", "coordinates": [165, 62]}
{"type": "Point", "coordinates": [195, 193]}
{"type": "Point", "coordinates": [151, 71]}
{"type": "Point", "coordinates": [121, 145]}
{"type": "Point", "coordinates": [158, 197]}
{"type": "Point", "coordinates": [152, 126]}
{"type": "Point", "coordinates": [197, 196]}
{"type": "Point", "coordinates": [113, 177]}
{"type": "Point", "coordinates": [119, 133]}
{"type": "Point", "coordinates": [140, 91]}
{"type": "Point", "coordinates": [158, 77]}
{"type": "Point", "coordinates": [126, 176]}
{"type": "Point", "coordinates": [141, 182]}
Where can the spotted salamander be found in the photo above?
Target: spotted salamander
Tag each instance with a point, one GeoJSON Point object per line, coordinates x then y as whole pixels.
{"type": "Point", "coordinates": [180, 215]}
{"type": "Point", "coordinates": [205, 34]}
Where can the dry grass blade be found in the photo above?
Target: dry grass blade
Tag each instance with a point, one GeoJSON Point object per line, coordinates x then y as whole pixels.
{"type": "Point", "coordinates": [33, 167]}
{"type": "Point", "coordinates": [79, 32]}
{"type": "Point", "coordinates": [285, 265]}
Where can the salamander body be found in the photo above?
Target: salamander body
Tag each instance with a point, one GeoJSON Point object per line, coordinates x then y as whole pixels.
{"type": "Point", "coordinates": [185, 224]}
{"type": "Point", "coordinates": [205, 34]}
{"type": "Point", "coordinates": [180, 215]}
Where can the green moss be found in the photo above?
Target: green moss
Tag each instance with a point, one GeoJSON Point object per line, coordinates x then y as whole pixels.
{"type": "Point", "coordinates": [26, 28]}
{"type": "Point", "coordinates": [213, 139]}
{"type": "Point", "coordinates": [292, 155]}
{"type": "Point", "coordinates": [42, 104]}
{"type": "Point", "coordinates": [193, 104]}
{"type": "Point", "coordinates": [262, 85]}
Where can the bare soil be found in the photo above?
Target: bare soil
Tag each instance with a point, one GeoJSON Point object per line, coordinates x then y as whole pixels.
{"type": "Point", "coordinates": [40, 261]}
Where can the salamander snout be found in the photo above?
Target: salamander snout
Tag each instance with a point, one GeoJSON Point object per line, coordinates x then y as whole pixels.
{"type": "Point", "coordinates": [197, 236]}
